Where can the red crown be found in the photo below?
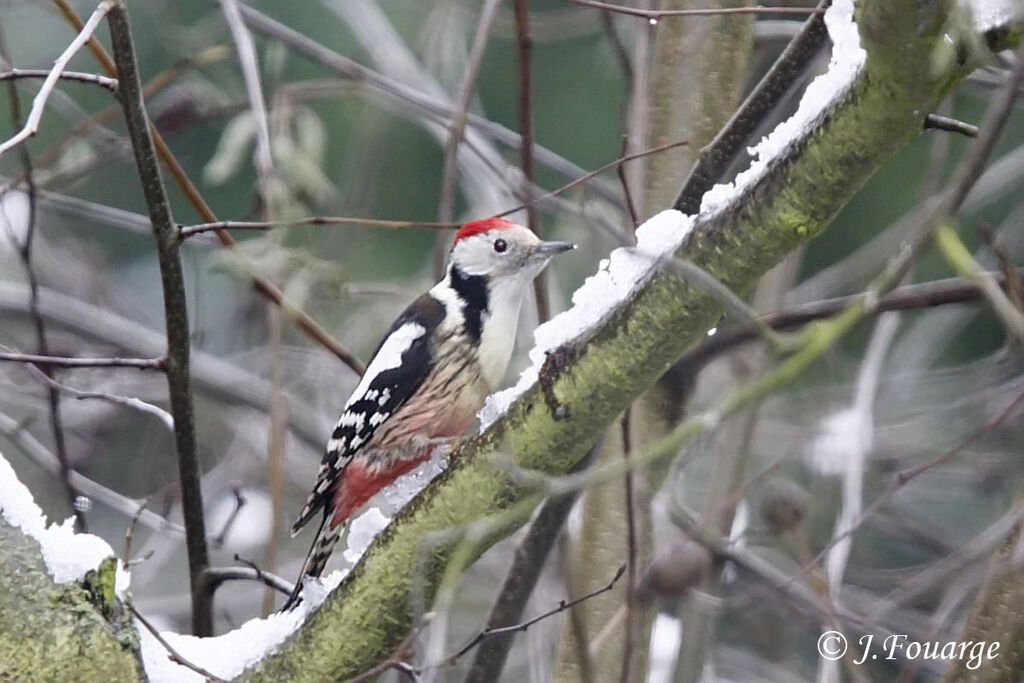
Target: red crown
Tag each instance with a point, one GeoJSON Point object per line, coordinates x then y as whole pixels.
{"type": "Point", "coordinates": [483, 225]}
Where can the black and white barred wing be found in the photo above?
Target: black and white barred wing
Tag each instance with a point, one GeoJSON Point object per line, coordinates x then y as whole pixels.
{"type": "Point", "coordinates": [397, 370]}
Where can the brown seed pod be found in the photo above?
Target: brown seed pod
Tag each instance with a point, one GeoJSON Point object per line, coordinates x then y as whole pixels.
{"type": "Point", "coordinates": [683, 565]}
{"type": "Point", "coordinates": [783, 505]}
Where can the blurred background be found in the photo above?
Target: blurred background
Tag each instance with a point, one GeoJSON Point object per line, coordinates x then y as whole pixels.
{"type": "Point", "coordinates": [895, 395]}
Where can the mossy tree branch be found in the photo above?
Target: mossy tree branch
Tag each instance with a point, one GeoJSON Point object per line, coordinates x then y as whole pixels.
{"type": "Point", "coordinates": [368, 615]}
{"type": "Point", "coordinates": [61, 634]}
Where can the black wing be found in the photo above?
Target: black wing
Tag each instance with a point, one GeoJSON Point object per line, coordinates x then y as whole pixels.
{"type": "Point", "coordinates": [378, 396]}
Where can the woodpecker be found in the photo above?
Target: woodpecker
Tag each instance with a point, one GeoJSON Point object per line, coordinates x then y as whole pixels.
{"type": "Point", "coordinates": [428, 378]}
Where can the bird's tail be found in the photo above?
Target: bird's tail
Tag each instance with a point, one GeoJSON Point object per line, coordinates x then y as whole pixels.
{"type": "Point", "coordinates": [323, 545]}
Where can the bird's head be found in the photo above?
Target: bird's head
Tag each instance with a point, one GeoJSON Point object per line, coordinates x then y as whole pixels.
{"type": "Point", "coordinates": [499, 249]}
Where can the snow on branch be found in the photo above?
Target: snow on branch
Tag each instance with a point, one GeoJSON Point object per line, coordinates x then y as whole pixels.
{"type": "Point", "coordinates": [68, 556]}
{"type": "Point", "coordinates": [228, 655]}
{"type": "Point", "coordinates": [658, 238]}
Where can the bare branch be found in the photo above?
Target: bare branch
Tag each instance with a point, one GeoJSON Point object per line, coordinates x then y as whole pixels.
{"type": "Point", "coordinates": [950, 125]}
{"type": "Point", "coordinates": [215, 576]}
{"type": "Point", "coordinates": [129, 401]}
{"type": "Point", "coordinates": [102, 81]}
{"type": "Point", "coordinates": [457, 126]}
{"type": "Point", "coordinates": [35, 115]}
{"type": "Point", "coordinates": [58, 361]}
{"type": "Point", "coordinates": [519, 628]}
{"type": "Point", "coordinates": [171, 652]}
{"type": "Point", "coordinates": [655, 15]}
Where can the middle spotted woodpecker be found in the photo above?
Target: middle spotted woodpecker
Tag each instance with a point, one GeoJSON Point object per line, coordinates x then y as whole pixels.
{"type": "Point", "coordinates": [428, 378]}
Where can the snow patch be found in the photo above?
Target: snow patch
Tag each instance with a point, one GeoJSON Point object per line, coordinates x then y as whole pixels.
{"type": "Point", "coordinates": [228, 655]}
{"type": "Point", "coordinates": [362, 531]}
{"type": "Point", "coordinates": [616, 278]}
{"type": "Point", "coordinates": [847, 59]}
{"type": "Point", "coordinates": [68, 556]}
{"type": "Point", "coordinates": [842, 439]}
{"type": "Point", "coordinates": [15, 210]}
{"type": "Point", "coordinates": [626, 268]}
{"type": "Point", "coordinates": [989, 14]}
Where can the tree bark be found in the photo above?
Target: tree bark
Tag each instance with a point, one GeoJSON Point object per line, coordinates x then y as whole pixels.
{"type": "Point", "coordinates": [60, 632]}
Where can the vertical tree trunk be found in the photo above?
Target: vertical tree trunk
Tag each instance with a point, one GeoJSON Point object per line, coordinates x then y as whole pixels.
{"type": "Point", "coordinates": [697, 72]}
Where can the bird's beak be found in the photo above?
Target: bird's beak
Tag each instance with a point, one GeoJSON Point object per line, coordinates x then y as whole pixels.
{"type": "Point", "coordinates": [549, 249]}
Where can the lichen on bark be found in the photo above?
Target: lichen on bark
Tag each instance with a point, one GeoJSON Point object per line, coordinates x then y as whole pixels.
{"type": "Point", "coordinates": [61, 632]}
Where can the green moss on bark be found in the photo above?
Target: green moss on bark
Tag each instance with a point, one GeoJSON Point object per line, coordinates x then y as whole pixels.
{"type": "Point", "coordinates": [56, 632]}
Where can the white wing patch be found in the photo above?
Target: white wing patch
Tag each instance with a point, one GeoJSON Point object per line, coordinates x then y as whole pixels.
{"type": "Point", "coordinates": [389, 356]}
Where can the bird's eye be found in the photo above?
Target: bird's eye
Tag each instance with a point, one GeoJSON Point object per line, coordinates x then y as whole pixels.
{"type": "Point", "coordinates": [500, 245]}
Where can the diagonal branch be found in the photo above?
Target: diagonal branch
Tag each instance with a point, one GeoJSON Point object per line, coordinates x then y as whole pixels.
{"type": "Point", "coordinates": [718, 154]}
{"type": "Point", "coordinates": [871, 110]}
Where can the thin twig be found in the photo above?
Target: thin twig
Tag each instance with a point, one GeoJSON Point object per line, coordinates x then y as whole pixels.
{"type": "Point", "coordinates": [240, 501]}
{"type": "Point", "coordinates": [951, 125]}
{"type": "Point", "coordinates": [172, 654]}
{"type": "Point", "coordinates": [129, 401]}
{"type": "Point", "coordinates": [191, 230]}
{"type": "Point", "coordinates": [527, 563]}
{"type": "Point", "coordinates": [25, 250]}
{"type": "Point", "coordinates": [102, 81]}
{"type": "Point", "coordinates": [129, 534]}
{"type": "Point", "coordinates": [457, 125]}
{"type": "Point", "coordinates": [524, 49]}
{"type": "Point", "coordinates": [618, 47]}
{"type": "Point", "coordinates": [631, 553]}
{"type": "Point", "coordinates": [634, 217]}
{"type": "Point", "coordinates": [175, 312]}
{"type": "Point", "coordinates": [187, 231]}
{"type": "Point", "coordinates": [63, 362]}
{"type": "Point", "coordinates": [277, 431]}
{"type": "Point", "coordinates": [215, 576]}
{"type": "Point", "coordinates": [519, 628]}
{"type": "Point", "coordinates": [35, 115]}
{"type": "Point", "coordinates": [656, 15]}
{"type": "Point", "coordinates": [587, 176]}
{"type": "Point", "coordinates": [395, 661]}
